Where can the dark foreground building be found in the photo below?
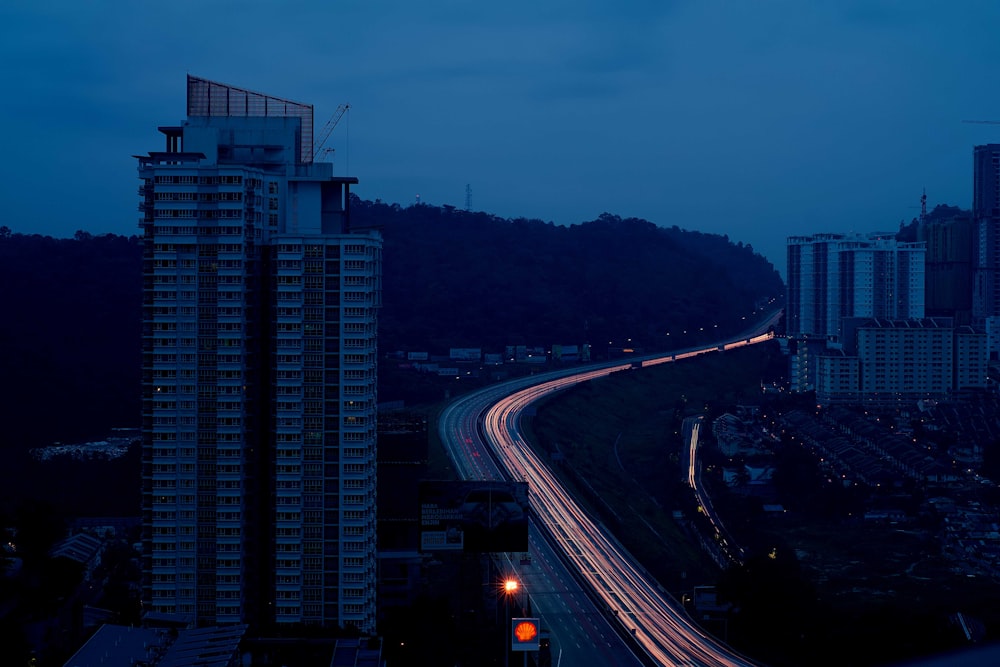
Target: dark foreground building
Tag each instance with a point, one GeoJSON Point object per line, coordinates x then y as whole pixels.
{"type": "Point", "coordinates": [259, 356]}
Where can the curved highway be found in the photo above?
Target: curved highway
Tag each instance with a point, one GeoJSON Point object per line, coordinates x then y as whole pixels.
{"type": "Point", "coordinates": [581, 634]}
{"type": "Point", "coordinates": [633, 598]}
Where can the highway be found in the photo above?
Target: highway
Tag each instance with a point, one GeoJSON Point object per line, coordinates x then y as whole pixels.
{"type": "Point", "coordinates": [581, 633]}
{"type": "Point", "coordinates": [631, 597]}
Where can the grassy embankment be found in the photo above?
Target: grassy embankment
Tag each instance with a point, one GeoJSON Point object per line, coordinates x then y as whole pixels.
{"type": "Point", "coordinates": [617, 444]}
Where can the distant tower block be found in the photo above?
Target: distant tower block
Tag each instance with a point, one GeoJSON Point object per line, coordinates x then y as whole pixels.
{"type": "Point", "coordinates": [986, 233]}
{"type": "Point", "coordinates": [833, 276]}
{"type": "Point", "coordinates": [468, 197]}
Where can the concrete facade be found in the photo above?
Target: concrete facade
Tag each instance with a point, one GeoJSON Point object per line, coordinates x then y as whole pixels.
{"type": "Point", "coordinates": [259, 360]}
{"type": "Point", "coordinates": [833, 276]}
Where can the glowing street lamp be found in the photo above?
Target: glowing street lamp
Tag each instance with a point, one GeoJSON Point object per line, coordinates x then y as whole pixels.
{"type": "Point", "coordinates": [509, 589]}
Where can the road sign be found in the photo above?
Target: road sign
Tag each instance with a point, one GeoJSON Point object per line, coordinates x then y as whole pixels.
{"type": "Point", "coordinates": [524, 634]}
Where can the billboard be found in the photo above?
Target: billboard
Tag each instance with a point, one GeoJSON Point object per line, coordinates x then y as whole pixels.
{"type": "Point", "coordinates": [473, 516]}
{"type": "Point", "coordinates": [524, 634]}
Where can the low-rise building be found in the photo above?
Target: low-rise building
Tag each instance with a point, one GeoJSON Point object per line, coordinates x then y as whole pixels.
{"type": "Point", "coordinates": [888, 361]}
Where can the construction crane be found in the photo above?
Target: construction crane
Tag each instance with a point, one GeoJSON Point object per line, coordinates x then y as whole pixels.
{"type": "Point", "coordinates": [983, 122]}
{"type": "Point", "coordinates": [328, 128]}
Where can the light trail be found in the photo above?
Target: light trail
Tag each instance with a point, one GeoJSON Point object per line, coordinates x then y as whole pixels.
{"type": "Point", "coordinates": [632, 595]}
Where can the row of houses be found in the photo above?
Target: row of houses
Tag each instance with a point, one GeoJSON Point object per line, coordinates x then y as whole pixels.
{"type": "Point", "coordinates": [856, 447]}
{"type": "Point", "coordinates": [859, 453]}
{"type": "Point", "coordinates": [972, 537]}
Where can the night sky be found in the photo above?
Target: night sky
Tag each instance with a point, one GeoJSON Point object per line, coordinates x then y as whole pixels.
{"type": "Point", "coordinates": [754, 119]}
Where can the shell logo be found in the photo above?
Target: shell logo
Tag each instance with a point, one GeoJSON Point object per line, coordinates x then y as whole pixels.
{"type": "Point", "coordinates": [525, 631]}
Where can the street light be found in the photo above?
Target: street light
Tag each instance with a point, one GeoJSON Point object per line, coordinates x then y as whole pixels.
{"type": "Point", "coordinates": [509, 589]}
{"type": "Point", "coordinates": [521, 634]}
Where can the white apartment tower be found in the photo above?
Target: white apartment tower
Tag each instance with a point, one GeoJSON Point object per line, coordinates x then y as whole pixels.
{"type": "Point", "coordinates": [833, 276]}
{"type": "Point", "coordinates": [259, 358]}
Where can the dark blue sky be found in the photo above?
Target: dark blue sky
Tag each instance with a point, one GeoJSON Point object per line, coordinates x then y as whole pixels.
{"type": "Point", "coordinates": [754, 119]}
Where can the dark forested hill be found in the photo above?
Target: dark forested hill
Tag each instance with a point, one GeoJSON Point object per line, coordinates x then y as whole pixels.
{"type": "Point", "coordinates": [70, 308]}
{"type": "Point", "coordinates": [455, 278]}
{"type": "Point", "coordinates": [69, 336]}
{"type": "Point", "coordinates": [69, 366]}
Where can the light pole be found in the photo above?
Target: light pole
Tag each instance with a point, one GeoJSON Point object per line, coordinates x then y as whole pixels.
{"type": "Point", "coordinates": [509, 589]}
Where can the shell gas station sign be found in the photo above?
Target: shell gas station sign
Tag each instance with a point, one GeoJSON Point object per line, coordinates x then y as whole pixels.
{"type": "Point", "coordinates": [524, 634]}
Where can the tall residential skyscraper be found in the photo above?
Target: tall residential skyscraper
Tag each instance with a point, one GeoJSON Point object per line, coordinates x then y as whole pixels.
{"type": "Point", "coordinates": [259, 357]}
{"type": "Point", "coordinates": [832, 276]}
{"type": "Point", "coordinates": [948, 272]}
{"type": "Point", "coordinates": [986, 218]}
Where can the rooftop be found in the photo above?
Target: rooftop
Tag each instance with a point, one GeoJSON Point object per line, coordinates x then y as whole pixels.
{"type": "Point", "coordinates": [209, 98]}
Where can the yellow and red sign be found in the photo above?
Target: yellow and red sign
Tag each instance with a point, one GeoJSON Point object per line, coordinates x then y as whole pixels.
{"type": "Point", "coordinates": [524, 634]}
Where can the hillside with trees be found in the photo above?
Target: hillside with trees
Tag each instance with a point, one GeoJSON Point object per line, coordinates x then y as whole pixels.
{"type": "Point", "coordinates": [71, 309]}
{"type": "Point", "coordinates": [455, 278]}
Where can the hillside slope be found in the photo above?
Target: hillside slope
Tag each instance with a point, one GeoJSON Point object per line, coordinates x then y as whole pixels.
{"type": "Point", "coordinates": [71, 308]}
{"type": "Point", "coordinates": [456, 278]}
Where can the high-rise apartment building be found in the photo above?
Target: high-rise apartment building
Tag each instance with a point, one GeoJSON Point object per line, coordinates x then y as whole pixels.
{"type": "Point", "coordinates": [833, 276]}
{"type": "Point", "coordinates": [986, 218]}
{"type": "Point", "coordinates": [948, 267]}
{"type": "Point", "coordinates": [259, 358]}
